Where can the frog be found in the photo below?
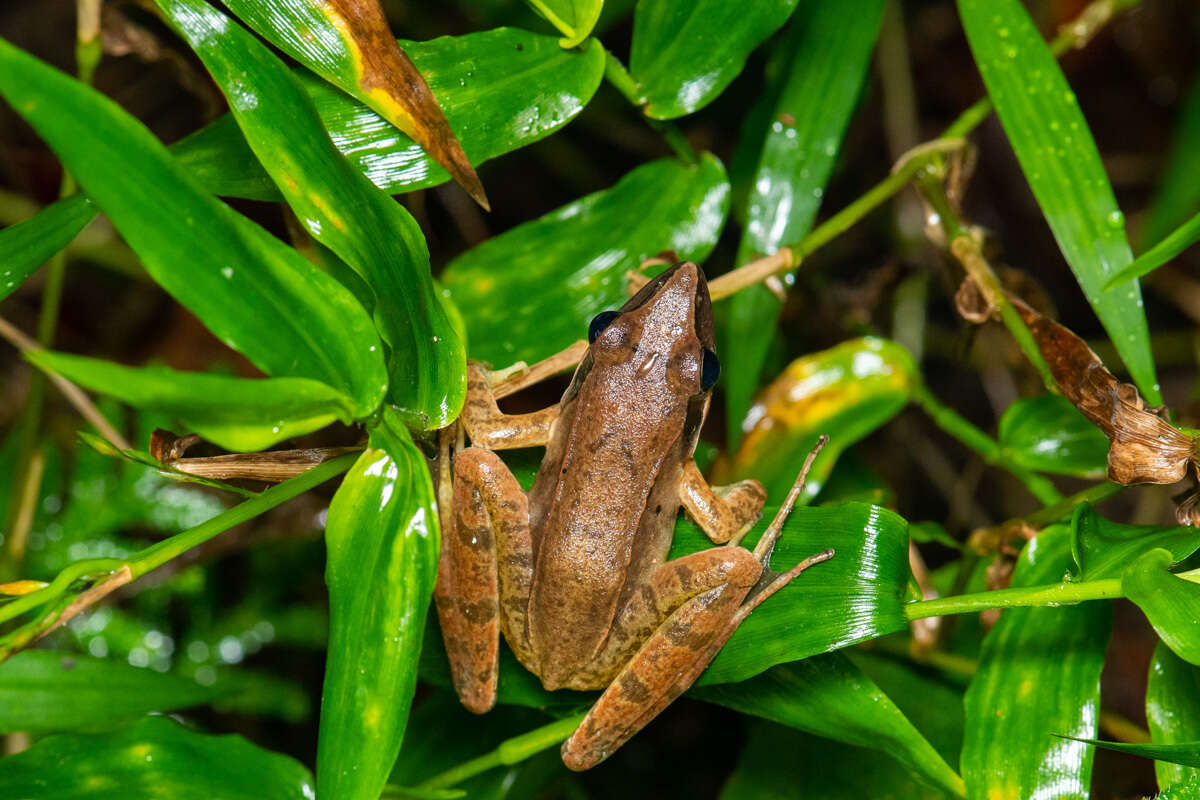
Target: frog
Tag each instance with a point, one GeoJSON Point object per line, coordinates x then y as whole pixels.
{"type": "Point", "coordinates": [575, 573]}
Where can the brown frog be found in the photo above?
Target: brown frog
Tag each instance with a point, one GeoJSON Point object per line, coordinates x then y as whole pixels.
{"type": "Point", "coordinates": [575, 573]}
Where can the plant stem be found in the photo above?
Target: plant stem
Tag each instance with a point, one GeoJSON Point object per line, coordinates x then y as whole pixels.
{"type": "Point", "coordinates": [1056, 595]}
{"type": "Point", "coordinates": [510, 751]}
{"type": "Point", "coordinates": [616, 74]}
{"type": "Point", "coordinates": [1092, 494]}
{"type": "Point", "coordinates": [158, 554]}
{"type": "Point", "coordinates": [957, 426]}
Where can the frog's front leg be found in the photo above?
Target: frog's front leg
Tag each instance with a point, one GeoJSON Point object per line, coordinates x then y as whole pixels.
{"type": "Point", "coordinates": [484, 575]}
{"type": "Point", "coordinates": [725, 513]}
{"type": "Point", "coordinates": [491, 428]}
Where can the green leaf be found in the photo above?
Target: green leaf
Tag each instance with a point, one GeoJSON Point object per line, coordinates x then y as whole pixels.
{"type": "Point", "coordinates": [1103, 549]}
{"type": "Point", "coordinates": [1175, 243]}
{"type": "Point", "coordinates": [779, 763]}
{"type": "Point", "coordinates": [1178, 194]}
{"type": "Point", "coordinates": [27, 245]}
{"type": "Point", "coordinates": [154, 758]}
{"type": "Point", "coordinates": [1039, 673]}
{"type": "Point", "coordinates": [259, 296]}
{"type": "Point", "coordinates": [382, 540]}
{"type": "Point", "coordinates": [43, 691]}
{"type": "Point", "coordinates": [575, 18]}
{"type": "Point", "coordinates": [1173, 710]}
{"type": "Point", "coordinates": [341, 209]}
{"type": "Point", "coordinates": [819, 65]}
{"type": "Point", "coordinates": [531, 291]}
{"type": "Point", "coordinates": [1048, 434]}
{"type": "Point", "coordinates": [349, 44]}
{"type": "Point", "coordinates": [829, 696]}
{"type": "Point", "coordinates": [239, 414]}
{"type": "Point", "coordinates": [1059, 158]}
{"type": "Point", "coordinates": [1171, 603]}
{"type": "Point", "coordinates": [685, 52]}
{"type": "Point", "coordinates": [501, 90]}
{"type": "Point", "coordinates": [1185, 754]}
{"type": "Point", "coordinates": [1187, 790]}
{"type": "Point", "coordinates": [856, 595]}
{"type": "Point", "coordinates": [846, 392]}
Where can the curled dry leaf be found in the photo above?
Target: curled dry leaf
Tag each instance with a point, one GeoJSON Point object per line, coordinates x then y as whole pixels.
{"type": "Point", "coordinates": [1144, 447]}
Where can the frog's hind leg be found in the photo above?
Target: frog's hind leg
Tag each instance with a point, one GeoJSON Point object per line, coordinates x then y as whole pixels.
{"type": "Point", "coordinates": [688, 610]}
{"type": "Point", "coordinates": [484, 575]}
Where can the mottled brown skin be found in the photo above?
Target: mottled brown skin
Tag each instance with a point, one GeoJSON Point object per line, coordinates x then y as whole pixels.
{"type": "Point", "coordinates": [575, 574]}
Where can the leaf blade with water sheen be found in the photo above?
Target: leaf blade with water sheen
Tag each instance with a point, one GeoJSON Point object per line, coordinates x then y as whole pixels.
{"type": "Point", "coordinates": [820, 62]}
{"type": "Point", "coordinates": [1171, 603]}
{"type": "Point", "coordinates": [1060, 161]}
{"type": "Point", "coordinates": [382, 541]}
{"type": "Point", "coordinates": [531, 291]}
{"type": "Point", "coordinates": [239, 414]}
{"type": "Point", "coordinates": [27, 245]}
{"type": "Point", "coordinates": [1173, 710]}
{"type": "Point", "coordinates": [259, 296]}
{"type": "Point", "coordinates": [685, 52]}
{"type": "Point", "coordinates": [1048, 434]}
{"type": "Point", "coordinates": [1039, 673]}
{"type": "Point", "coordinates": [1103, 549]}
{"type": "Point", "coordinates": [374, 235]}
{"type": "Point", "coordinates": [155, 757]}
{"type": "Point", "coordinates": [347, 42]}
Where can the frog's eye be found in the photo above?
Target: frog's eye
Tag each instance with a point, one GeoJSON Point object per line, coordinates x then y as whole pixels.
{"type": "Point", "coordinates": [711, 371]}
{"type": "Point", "coordinates": [599, 323]}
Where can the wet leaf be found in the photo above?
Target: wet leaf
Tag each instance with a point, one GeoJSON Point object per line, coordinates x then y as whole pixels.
{"type": "Point", "coordinates": [501, 90]}
{"type": "Point", "coordinates": [239, 414]}
{"type": "Point", "coordinates": [1058, 156]}
{"type": "Point", "coordinates": [1171, 603]}
{"type": "Point", "coordinates": [778, 763]}
{"type": "Point", "coordinates": [685, 52]}
{"type": "Point", "coordinates": [1178, 194]}
{"type": "Point", "coordinates": [1047, 434]}
{"type": "Point", "coordinates": [855, 596]}
{"type": "Point", "coordinates": [575, 18]}
{"type": "Point", "coordinates": [1173, 710]}
{"type": "Point", "coordinates": [43, 691]}
{"type": "Point", "coordinates": [382, 540]}
{"type": "Point", "coordinates": [155, 757]}
{"type": "Point", "coordinates": [819, 65]}
{"type": "Point", "coordinates": [373, 234]}
{"type": "Point", "coordinates": [531, 291]}
{"type": "Point", "coordinates": [1103, 549]}
{"type": "Point", "coordinates": [348, 43]}
{"type": "Point", "coordinates": [1187, 790]}
{"type": "Point", "coordinates": [847, 392]}
{"type": "Point", "coordinates": [27, 245]}
{"type": "Point", "coordinates": [829, 696]}
{"type": "Point", "coordinates": [1144, 448]}
{"type": "Point", "coordinates": [259, 296]}
{"type": "Point", "coordinates": [1039, 673]}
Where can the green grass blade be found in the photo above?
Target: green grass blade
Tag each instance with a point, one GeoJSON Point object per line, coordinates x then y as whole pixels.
{"type": "Point", "coordinates": [239, 414]}
{"type": "Point", "coordinates": [1056, 151]}
{"type": "Point", "coordinates": [382, 543]}
{"type": "Point", "coordinates": [1039, 673]}
{"type": "Point", "coordinates": [1175, 243]}
{"type": "Point", "coordinates": [685, 52]}
{"type": "Point", "coordinates": [819, 63]}
{"type": "Point", "coordinates": [156, 757]}
{"type": "Point", "coordinates": [1178, 194]}
{"type": "Point", "coordinates": [27, 245]}
{"type": "Point", "coordinates": [259, 296]}
{"type": "Point", "coordinates": [1173, 710]}
{"type": "Point", "coordinates": [373, 234]}
{"type": "Point", "coordinates": [1185, 754]}
{"type": "Point", "coordinates": [531, 291]}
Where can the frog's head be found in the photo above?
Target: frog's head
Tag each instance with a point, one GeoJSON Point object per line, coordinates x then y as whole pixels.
{"type": "Point", "coordinates": [665, 331]}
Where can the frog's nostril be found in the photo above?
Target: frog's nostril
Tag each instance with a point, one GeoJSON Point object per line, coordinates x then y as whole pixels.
{"type": "Point", "coordinates": [647, 365]}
